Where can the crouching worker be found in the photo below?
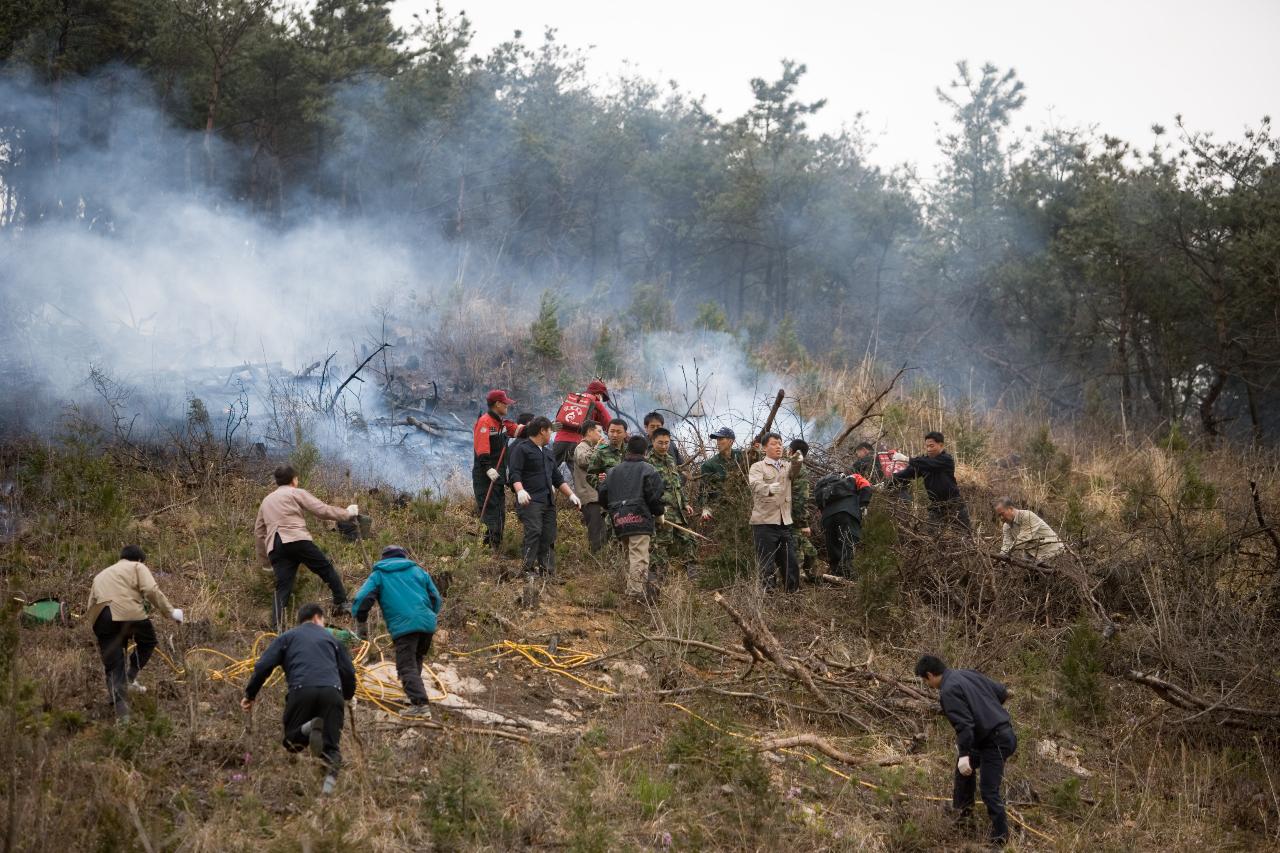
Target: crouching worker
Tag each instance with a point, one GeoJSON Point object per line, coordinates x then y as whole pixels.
{"type": "Point", "coordinates": [632, 496]}
{"type": "Point", "coordinates": [409, 601]}
{"type": "Point", "coordinates": [320, 677]}
{"type": "Point", "coordinates": [974, 704]}
{"type": "Point", "coordinates": [843, 499]}
{"type": "Point", "coordinates": [118, 615]}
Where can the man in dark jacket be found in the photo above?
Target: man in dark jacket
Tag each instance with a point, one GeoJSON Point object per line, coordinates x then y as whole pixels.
{"type": "Point", "coordinates": [409, 601]}
{"type": "Point", "coordinates": [320, 676]}
{"type": "Point", "coordinates": [489, 443]}
{"type": "Point", "coordinates": [974, 704]}
{"type": "Point", "coordinates": [864, 456]}
{"type": "Point", "coordinates": [536, 478]}
{"type": "Point", "coordinates": [632, 496]}
{"type": "Point", "coordinates": [842, 498]}
{"type": "Point", "coordinates": [938, 470]}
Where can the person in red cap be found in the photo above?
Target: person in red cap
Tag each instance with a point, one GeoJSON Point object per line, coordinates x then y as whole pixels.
{"type": "Point", "coordinates": [488, 470]}
{"type": "Point", "coordinates": [576, 410]}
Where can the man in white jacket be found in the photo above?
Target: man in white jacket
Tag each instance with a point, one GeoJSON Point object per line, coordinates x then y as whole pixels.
{"type": "Point", "coordinates": [1026, 534]}
{"type": "Point", "coordinates": [770, 484]}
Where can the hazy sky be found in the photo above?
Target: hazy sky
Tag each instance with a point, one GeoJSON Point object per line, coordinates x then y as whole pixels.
{"type": "Point", "coordinates": [1119, 65]}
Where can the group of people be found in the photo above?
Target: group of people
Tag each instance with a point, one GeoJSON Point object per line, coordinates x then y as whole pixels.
{"type": "Point", "coordinates": [630, 487]}
{"type": "Point", "coordinates": [647, 507]}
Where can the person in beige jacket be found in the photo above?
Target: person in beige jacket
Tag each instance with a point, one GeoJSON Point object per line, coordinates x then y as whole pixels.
{"type": "Point", "coordinates": [284, 543]}
{"type": "Point", "coordinates": [1026, 534]}
{"type": "Point", "coordinates": [770, 484]}
{"type": "Point", "coordinates": [117, 611]}
{"type": "Point", "coordinates": [584, 486]}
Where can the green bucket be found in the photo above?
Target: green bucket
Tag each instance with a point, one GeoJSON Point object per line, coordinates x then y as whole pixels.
{"type": "Point", "coordinates": [46, 611]}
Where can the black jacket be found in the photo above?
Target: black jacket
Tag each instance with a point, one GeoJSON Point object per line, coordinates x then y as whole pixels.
{"type": "Point", "coordinates": [311, 657]}
{"type": "Point", "coordinates": [938, 472]}
{"type": "Point", "coordinates": [632, 494]}
{"type": "Point", "coordinates": [840, 493]}
{"type": "Point", "coordinates": [974, 704]}
{"type": "Point", "coordinates": [534, 468]}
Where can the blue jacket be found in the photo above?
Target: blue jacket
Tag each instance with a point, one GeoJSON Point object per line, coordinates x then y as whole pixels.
{"type": "Point", "coordinates": [406, 593]}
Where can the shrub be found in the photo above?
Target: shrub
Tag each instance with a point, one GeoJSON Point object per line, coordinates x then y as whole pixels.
{"type": "Point", "coordinates": [605, 354]}
{"type": "Point", "coordinates": [651, 309]}
{"type": "Point", "coordinates": [1079, 678]}
{"type": "Point", "coordinates": [547, 336]}
{"type": "Point", "coordinates": [711, 318]}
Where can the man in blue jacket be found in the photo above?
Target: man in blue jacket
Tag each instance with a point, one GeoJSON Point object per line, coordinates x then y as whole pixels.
{"type": "Point", "coordinates": [974, 704]}
{"type": "Point", "coordinates": [320, 675]}
{"type": "Point", "coordinates": [409, 601]}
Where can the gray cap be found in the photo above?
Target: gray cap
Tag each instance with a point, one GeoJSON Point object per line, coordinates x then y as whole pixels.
{"type": "Point", "coordinates": [724, 432]}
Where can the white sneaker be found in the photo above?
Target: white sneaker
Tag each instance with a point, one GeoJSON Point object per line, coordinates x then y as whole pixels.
{"type": "Point", "coordinates": [135, 687]}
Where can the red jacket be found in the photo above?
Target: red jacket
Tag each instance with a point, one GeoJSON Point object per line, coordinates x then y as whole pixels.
{"type": "Point", "coordinates": [599, 414]}
{"type": "Point", "coordinates": [489, 440]}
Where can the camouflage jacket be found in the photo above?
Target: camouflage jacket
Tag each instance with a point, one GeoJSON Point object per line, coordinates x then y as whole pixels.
{"type": "Point", "coordinates": [672, 493]}
{"type": "Point", "coordinates": [603, 460]}
{"type": "Point", "coordinates": [714, 472]}
{"type": "Point", "coordinates": [801, 505]}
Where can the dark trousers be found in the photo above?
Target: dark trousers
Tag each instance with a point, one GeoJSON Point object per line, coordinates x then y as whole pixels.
{"type": "Point", "coordinates": [537, 548]}
{"type": "Point", "coordinates": [285, 558]}
{"type": "Point", "coordinates": [953, 512]}
{"type": "Point", "coordinates": [597, 526]}
{"type": "Point", "coordinates": [494, 512]}
{"type": "Point", "coordinates": [411, 648]}
{"type": "Point", "coordinates": [562, 452]}
{"type": "Point", "coordinates": [306, 703]}
{"type": "Point", "coordinates": [841, 534]}
{"type": "Point", "coordinates": [776, 554]}
{"type": "Point", "coordinates": [113, 638]}
{"type": "Point", "coordinates": [987, 760]}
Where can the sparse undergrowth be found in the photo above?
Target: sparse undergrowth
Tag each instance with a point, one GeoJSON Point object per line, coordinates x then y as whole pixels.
{"type": "Point", "coordinates": [1102, 764]}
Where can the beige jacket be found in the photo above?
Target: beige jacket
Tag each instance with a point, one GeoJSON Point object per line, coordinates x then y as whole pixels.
{"type": "Point", "coordinates": [584, 485]}
{"type": "Point", "coordinates": [771, 492]}
{"type": "Point", "coordinates": [1030, 536]}
{"type": "Point", "coordinates": [284, 512]}
{"type": "Point", "coordinates": [124, 587]}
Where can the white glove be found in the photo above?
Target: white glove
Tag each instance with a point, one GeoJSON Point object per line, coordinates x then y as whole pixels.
{"type": "Point", "coordinates": [523, 497]}
{"type": "Point", "coordinates": [706, 515]}
{"type": "Point", "coordinates": [492, 473]}
{"type": "Point", "coordinates": [177, 614]}
{"type": "Point", "coordinates": [575, 500]}
{"type": "Point", "coordinates": [353, 510]}
{"type": "Point", "coordinates": [964, 767]}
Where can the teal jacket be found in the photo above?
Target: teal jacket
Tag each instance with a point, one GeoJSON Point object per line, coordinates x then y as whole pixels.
{"type": "Point", "coordinates": [405, 592]}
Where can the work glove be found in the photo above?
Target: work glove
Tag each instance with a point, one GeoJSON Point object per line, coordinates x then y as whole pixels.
{"type": "Point", "coordinates": [773, 489]}
{"type": "Point", "coordinates": [575, 500]}
{"type": "Point", "coordinates": [492, 474]}
{"type": "Point", "coordinates": [523, 497]}
{"type": "Point", "coordinates": [964, 767]}
{"type": "Point", "coordinates": [353, 510]}
{"type": "Point", "coordinates": [177, 614]}
{"type": "Point", "coordinates": [706, 515]}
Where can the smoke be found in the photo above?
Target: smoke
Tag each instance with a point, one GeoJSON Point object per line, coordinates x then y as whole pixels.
{"type": "Point", "coordinates": [140, 267]}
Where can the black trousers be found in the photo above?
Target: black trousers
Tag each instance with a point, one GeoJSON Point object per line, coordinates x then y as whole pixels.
{"type": "Point", "coordinates": [776, 554]}
{"type": "Point", "coordinates": [987, 760]}
{"type": "Point", "coordinates": [537, 548]}
{"type": "Point", "coordinates": [493, 513]}
{"type": "Point", "coordinates": [562, 452]}
{"type": "Point", "coordinates": [113, 638]}
{"type": "Point", "coordinates": [841, 534]}
{"type": "Point", "coordinates": [953, 512]}
{"type": "Point", "coordinates": [306, 703]}
{"type": "Point", "coordinates": [285, 558]}
{"type": "Point", "coordinates": [598, 525]}
{"type": "Point", "coordinates": [411, 648]}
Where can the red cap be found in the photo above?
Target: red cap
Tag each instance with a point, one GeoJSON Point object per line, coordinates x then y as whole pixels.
{"type": "Point", "coordinates": [599, 389]}
{"type": "Point", "coordinates": [497, 395]}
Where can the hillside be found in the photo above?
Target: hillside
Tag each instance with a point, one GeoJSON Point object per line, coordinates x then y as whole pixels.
{"type": "Point", "coordinates": [588, 723]}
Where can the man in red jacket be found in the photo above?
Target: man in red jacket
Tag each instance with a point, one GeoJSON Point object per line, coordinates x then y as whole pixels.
{"type": "Point", "coordinates": [570, 434]}
{"type": "Point", "coordinates": [488, 469]}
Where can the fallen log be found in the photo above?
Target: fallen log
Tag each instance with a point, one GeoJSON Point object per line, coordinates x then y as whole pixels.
{"type": "Point", "coordinates": [760, 643]}
{"type": "Point", "coordinates": [1179, 697]}
{"type": "Point", "coordinates": [826, 748]}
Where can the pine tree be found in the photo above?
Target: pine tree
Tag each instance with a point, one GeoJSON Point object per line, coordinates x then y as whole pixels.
{"type": "Point", "coordinates": [548, 338]}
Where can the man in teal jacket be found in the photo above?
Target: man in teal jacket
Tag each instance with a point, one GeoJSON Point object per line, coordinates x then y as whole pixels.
{"type": "Point", "coordinates": [409, 601]}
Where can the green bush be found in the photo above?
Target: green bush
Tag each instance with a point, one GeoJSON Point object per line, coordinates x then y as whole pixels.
{"type": "Point", "coordinates": [605, 354]}
{"type": "Point", "coordinates": [875, 564]}
{"type": "Point", "coordinates": [1080, 675]}
{"type": "Point", "coordinates": [711, 317]}
{"type": "Point", "coordinates": [651, 309]}
{"type": "Point", "coordinates": [547, 336]}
